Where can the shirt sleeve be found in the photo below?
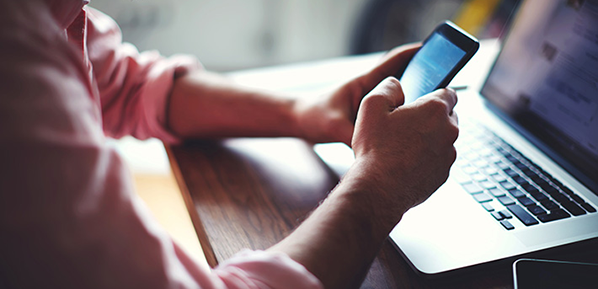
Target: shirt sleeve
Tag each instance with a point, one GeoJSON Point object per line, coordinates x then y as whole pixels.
{"type": "Point", "coordinates": [68, 214]}
{"type": "Point", "coordinates": [134, 87]}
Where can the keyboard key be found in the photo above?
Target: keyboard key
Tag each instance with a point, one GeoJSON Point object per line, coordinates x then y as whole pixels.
{"type": "Point", "coordinates": [573, 208]}
{"type": "Point", "coordinates": [536, 210]}
{"type": "Point", "coordinates": [539, 196]}
{"type": "Point", "coordinates": [490, 171]}
{"type": "Point", "coordinates": [478, 177]}
{"type": "Point", "coordinates": [488, 206]}
{"type": "Point", "coordinates": [588, 207]}
{"type": "Point", "coordinates": [507, 225]}
{"type": "Point", "coordinates": [497, 216]}
{"type": "Point", "coordinates": [496, 192]}
{"type": "Point", "coordinates": [505, 214]}
{"type": "Point", "coordinates": [487, 184]}
{"type": "Point", "coordinates": [502, 165]}
{"type": "Point", "coordinates": [577, 198]}
{"type": "Point", "coordinates": [550, 205]}
{"type": "Point", "coordinates": [535, 177]}
{"type": "Point", "coordinates": [555, 181]}
{"type": "Point", "coordinates": [547, 187]}
{"type": "Point", "coordinates": [529, 187]}
{"type": "Point", "coordinates": [551, 190]}
{"type": "Point", "coordinates": [505, 200]}
{"type": "Point", "coordinates": [520, 180]}
{"type": "Point", "coordinates": [498, 177]}
{"type": "Point", "coordinates": [521, 166]}
{"type": "Point", "coordinates": [493, 159]}
{"type": "Point", "coordinates": [516, 193]}
{"type": "Point", "coordinates": [507, 185]}
{"type": "Point", "coordinates": [522, 215]}
{"type": "Point", "coordinates": [501, 150]}
{"type": "Point", "coordinates": [482, 197]}
{"type": "Point", "coordinates": [526, 171]}
{"type": "Point", "coordinates": [553, 215]}
{"type": "Point", "coordinates": [526, 201]}
{"type": "Point", "coordinates": [512, 159]}
{"type": "Point", "coordinates": [472, 188]}
{"type": "Point", "coordinates": [566, 190]}
{"type": "Point", "coordinates": [560, 197]}
{"type": "Point", "coordinates": [510, 172]}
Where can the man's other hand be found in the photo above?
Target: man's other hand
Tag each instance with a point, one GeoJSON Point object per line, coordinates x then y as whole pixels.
{"type": "Point", "coordinates": [331, 117]}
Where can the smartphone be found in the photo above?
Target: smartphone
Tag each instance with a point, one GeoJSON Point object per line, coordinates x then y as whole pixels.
{"type": "Point", "coordinates": [549, 274]}
{"type": "Point", "coordinates": [443, 53]}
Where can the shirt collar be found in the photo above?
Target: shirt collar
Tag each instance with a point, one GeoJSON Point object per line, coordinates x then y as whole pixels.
{"type": "Point", "coordinates": [65, 11]}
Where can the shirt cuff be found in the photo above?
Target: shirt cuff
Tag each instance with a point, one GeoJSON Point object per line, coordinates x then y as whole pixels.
{"type": "Point", "coordinates": [260, 269]}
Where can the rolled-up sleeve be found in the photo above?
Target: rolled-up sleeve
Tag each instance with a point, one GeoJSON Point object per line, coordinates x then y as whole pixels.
{"type": "Point", "coordinates": [134, 87]}
{"type": "Point", "coordinates": [69, 217]}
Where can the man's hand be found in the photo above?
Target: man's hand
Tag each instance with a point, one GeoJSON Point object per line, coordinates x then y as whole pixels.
{"type": "Point", "coordinates": [403, 152]}
{"type": "Point", "coordinates": [331, 118]}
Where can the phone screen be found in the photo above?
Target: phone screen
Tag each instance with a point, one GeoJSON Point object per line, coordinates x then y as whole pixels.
{"type": "Point", "coordinates": [430, 66]}
{"type": "Point", "coordinates": [548, 274]}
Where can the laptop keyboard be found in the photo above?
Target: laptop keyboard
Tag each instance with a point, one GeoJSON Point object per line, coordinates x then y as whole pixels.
{"type": "Point", "coordinates": [508, 185]}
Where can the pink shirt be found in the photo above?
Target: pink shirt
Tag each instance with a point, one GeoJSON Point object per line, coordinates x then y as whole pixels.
{"type": "Point", "coordinates": [69, 217]}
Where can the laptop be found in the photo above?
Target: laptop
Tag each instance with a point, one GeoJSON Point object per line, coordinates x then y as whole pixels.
{"type": "Point", "coordinates": [526, 177]}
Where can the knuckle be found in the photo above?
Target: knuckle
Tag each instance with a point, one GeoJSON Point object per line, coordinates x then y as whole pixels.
{"type": "Point", "coordinates": [436, 106]}
{"type": "Point", "coordinates": [393, 80]}
{"type": "Point", "coordinates": [451, 93]}
{"type": "Point", "coordinates": [453, 155]}
{"type": "Point", "coordinates": [453, 132]}
{"type": "Point", "coordinates": [447, 93]}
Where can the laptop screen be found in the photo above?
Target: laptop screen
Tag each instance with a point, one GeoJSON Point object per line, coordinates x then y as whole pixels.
{"type": "Point", "coordinates": [546, 80]}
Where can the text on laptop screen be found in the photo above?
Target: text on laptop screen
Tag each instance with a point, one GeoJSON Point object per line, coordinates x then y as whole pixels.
{"type": "Point", "coordinates": [425, 72]}
{"type": "Point", "coordinates": [546, 78]}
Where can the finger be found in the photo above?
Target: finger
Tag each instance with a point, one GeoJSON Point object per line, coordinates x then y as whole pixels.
{"type": "Point", "coordinates": [454, 118]}
{"type": "Point", "coordinates": [446, 95]}
{"type": "Point", "coordinates": [386, 96]}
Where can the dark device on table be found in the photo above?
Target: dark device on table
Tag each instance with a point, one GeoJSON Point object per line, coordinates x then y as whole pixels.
{"type": "Point", "coordinates": [443, 53]}
{"type": "Point", "coordinates": [548, 274]}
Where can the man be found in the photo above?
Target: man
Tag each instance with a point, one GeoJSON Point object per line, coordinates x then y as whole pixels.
{"type": "Point", "coordinates": [68, 214]}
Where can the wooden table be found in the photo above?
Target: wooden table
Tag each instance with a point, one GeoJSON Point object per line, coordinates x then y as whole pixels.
{"type": "Point", "coordinates": [251, 193]}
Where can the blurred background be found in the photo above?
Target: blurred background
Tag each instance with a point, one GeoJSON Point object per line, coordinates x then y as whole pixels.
{"type": "Point", "coordinates": [229, 35]}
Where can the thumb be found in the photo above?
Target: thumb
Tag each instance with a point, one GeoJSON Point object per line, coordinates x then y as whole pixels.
{"type": "Point", "coordinates": [374, 113]}
{"type": "Point", "coordinates": [386, 96]}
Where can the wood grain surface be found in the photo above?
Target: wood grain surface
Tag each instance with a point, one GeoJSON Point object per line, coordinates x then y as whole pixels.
{"type": "Point", "coordinates": [251, 193]}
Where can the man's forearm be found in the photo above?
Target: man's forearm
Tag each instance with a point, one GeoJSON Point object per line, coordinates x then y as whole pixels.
{"type": "Point", "coordinates": [343, 235]}
{"type": "Point", "coordinates": [204, 104]}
